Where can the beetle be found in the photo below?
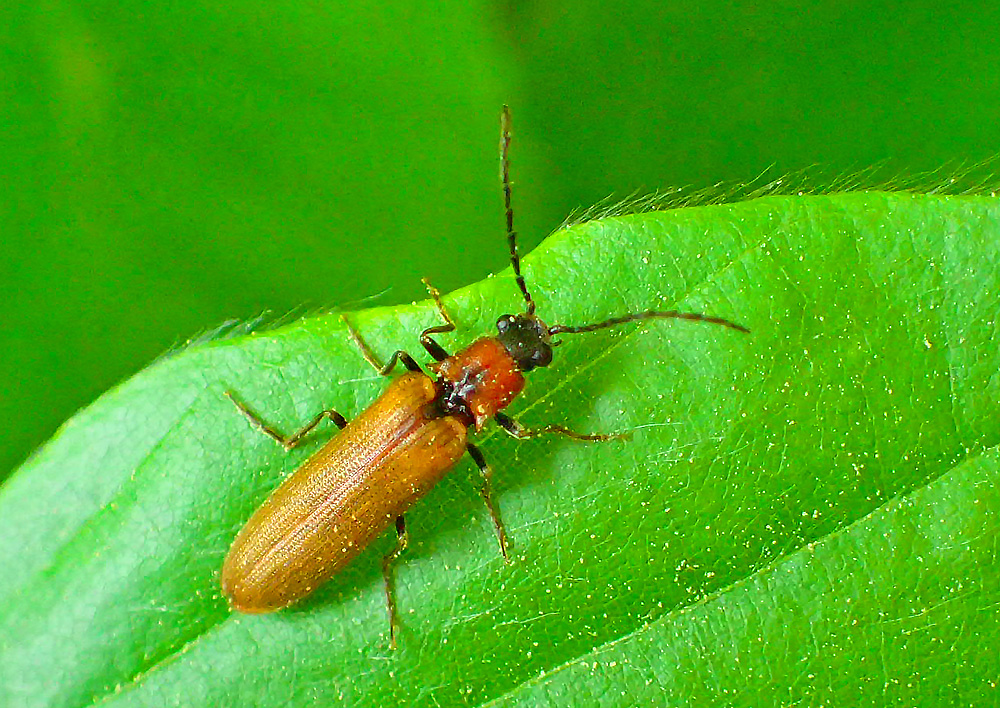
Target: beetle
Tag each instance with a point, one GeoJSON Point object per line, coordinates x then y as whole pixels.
{"type": "Point", "coordinates": [366, 477]}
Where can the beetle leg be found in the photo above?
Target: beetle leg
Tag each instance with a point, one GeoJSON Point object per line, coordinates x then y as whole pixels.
{"type": "Point", "coordinates": [516, 430]}
{"type": "Point", "coordinates": [292, 440]}
{"type": "Point", "coordinates": [432, 347]}
{"type": "Point", "coordinates": [369, 355]}
{"type": "Point", "coordinates": [401, 356]}
{"type": "Point", "coordinates": [402, 540]}
{"type": "Point", "coordinates": [487, 491]}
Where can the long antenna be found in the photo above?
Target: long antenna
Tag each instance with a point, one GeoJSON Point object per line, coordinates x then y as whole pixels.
{"type": "Point", "coordinates": [515, 261]}
{"type": "Point", "coordinates": [648, 315]}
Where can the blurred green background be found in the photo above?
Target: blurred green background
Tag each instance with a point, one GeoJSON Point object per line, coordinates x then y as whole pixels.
{"type": "Point", "coordinates": [169, 166]}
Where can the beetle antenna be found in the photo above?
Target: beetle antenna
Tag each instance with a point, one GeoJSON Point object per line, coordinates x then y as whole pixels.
{"type": "Point", "coordinates": [648, 315]}
{"type": "Point", "coordinates": [515, 260]}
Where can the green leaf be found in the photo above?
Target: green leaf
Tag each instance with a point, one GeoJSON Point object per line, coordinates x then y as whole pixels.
{"type": "Point", "coordinates": [898, 608]}
{"type": "Point", "coordinates": [805, 514]}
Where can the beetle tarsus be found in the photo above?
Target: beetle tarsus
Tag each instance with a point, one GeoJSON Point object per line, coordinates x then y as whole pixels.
{"type": "Point", "coordinates": [402, 541]}
{"type": "Point", "coordinates": [290, 441]}
{"type": "Point", "coordinates": [383, 369]}
{"type": "Point", "coordinates": [433, 348]}
{"type": "Point", "coordinates": [516, 430]}
{"type": "Point", "coordinates": [487, 492]}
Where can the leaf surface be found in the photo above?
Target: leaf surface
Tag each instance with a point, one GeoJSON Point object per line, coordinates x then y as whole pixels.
{"type": "Point", "coordinates": [839, 455]}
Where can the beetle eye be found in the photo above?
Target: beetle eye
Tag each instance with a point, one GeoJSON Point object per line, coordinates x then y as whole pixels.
{"type": "Point", "coordinates": [542, 356]}
{"type": "Point", "coordinates": [504, 321]}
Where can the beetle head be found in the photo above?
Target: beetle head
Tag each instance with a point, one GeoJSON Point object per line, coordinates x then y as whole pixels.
{"type": "Point", "coordinates": [526, 338]}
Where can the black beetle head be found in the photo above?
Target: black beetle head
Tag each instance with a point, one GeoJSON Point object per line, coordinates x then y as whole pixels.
{"type": "Point", "coordinates": [526, 339]}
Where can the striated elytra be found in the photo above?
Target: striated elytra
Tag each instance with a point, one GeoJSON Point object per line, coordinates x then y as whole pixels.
{"type": "Point", "coordinates": [342, 497]}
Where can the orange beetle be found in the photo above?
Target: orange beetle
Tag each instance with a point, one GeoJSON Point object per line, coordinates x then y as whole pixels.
{"type": "Point", "coordinates": [365, 478]}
